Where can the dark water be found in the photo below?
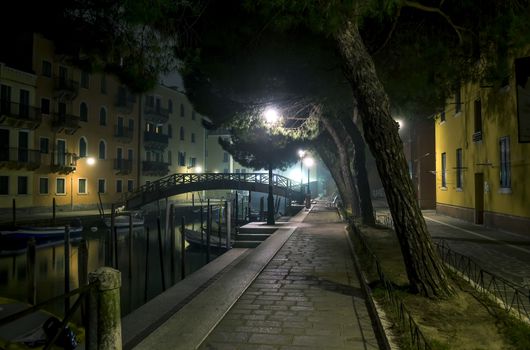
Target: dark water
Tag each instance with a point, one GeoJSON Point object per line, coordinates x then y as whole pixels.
{"type": "Point", "coordinates": [146, 265]}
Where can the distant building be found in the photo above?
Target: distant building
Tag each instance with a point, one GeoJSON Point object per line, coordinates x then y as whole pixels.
{"type": "Point", "coordinates": [482, 152]}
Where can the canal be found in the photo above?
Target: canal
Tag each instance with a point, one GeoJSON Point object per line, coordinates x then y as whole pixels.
{"type": "Point", "coordinates": [141, 281]}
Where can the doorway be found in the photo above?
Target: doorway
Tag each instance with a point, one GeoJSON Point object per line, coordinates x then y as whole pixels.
{"type": "Point", "coordinates": [479, 198]}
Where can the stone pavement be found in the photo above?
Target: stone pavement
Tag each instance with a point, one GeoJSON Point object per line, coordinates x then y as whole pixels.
{"type": "Point", "coordinates": [503, 253]}
{"type": "Point", "coordinates": [307, 297]}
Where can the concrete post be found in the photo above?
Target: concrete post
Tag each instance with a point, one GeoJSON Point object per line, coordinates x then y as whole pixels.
{"type": "Point", "coordinates": [105, 318]}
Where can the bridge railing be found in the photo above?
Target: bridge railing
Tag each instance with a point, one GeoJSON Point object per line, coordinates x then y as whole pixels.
{"type": "Point", "coordinates": [189, 178]}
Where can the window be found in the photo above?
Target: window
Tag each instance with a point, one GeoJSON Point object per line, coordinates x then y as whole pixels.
{"type": "Point", "coordinates": [101, 185]}
{"type": "Point", "coordinates": [83, 112]}
{"type": "Point", "coordinates": [192, 137]}
{"type": "Point", "coordinates": [102, 154]}
{"type": "Point", "coordinates": [444, 164]}
{"type": "Point", "coordinates": [182, 158]}
{"type": "Point", "coordinates": [442, 116]}
{"type": "Point", "coordinates": [505, 174]}
{"type": "Point", "coordinates": [458, 100]}
{"type": "Point", "coordinates": [46, 68]}
{"type": "Point", "coordinates": [225, 170]}
{"type": "Point", "coordinates": [225, 157]}
{"type": "Point", "coordinates": [82, 147]}
{"type": "Point", "coordinates": [170, 106]}
{"type": "Point", "coordinates": [237, 171]}
{"type": "Point", "coordinates": [119, 187]}
{"type": "Point", "coordinates": [169, 157]}
{"type": "Point", "coordinates": [243, 171]}
{"type": "Point", "coordinates": [182, 111]}
{"type": "Point", "coordinates": [131, 125]}
{"type": "Point", "coordinates": [22, 185]}
{"type": "Point", "coordinates": [130, 154]}
{"type": "Point", "coordinates": [193, 162]}
{"type": "Point", "coordinates": [81, 186]}
{"type": "Point", "coordinates": [130, 185]}
{"type": "Point", "coordinates": [477, 135]}
{"type": "Point", "coordinates": [63, 74]}
{"type": "Point", "coordinates": [169, 131]}
{"type": "Point", "coordinates": [85, 79]}
{"type": "Point", "coordinates": [45, 106]}
{"type": "Point", "coordinates": [459, 169]}
{"type": "Point", "coordinates": [43, 185]}
{"type": "Point", "coordinates": [150, 101]}
{"type": "Point", "coordinates": [192, 115]}
{"type": "Point", "coordinates": [4, 185]}
{"type": "Point", "coordinates": [103, 116]}
{"type": "Point", "coordinates": [103, 84]}
{"type": "Point", "coordinates": [60, 186]}
{"type": "Point", "coordinates": [44, 145]}
{"type": "Point", "coordinates": [182, 133]}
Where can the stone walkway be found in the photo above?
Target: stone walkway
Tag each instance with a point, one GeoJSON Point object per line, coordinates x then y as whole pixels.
{"type": "Point", "coordinates": [307, 297]}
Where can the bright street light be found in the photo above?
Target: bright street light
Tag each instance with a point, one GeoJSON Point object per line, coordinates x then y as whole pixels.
{"type": "Point", "coordinates": [308, 162]}
{"type": "Point", "coordinates": [91, 161]}
{"type": "Point", "coordinates": [271, 116]}
{"type": "Point", "coordinates": [198, 169]}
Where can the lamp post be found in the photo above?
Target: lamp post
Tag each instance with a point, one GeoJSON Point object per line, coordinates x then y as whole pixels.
{"type": "Point", "coordinates": [308, 161]}
{"type": "Point", "coordinates": [271, 119]}
{"type": "Point", "coordinates": [301, 155]}
{"type": "Point", "coordinates": [197, 169]}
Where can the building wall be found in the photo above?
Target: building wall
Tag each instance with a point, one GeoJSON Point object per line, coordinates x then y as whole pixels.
{"type": "Point", "coordinates": [503, 207]}
{"type": "Point", "coordinates": [12, 165]}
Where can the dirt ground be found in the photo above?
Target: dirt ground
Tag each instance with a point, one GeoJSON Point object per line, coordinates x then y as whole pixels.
{"type": "Point", "coordinates": [466, 321]}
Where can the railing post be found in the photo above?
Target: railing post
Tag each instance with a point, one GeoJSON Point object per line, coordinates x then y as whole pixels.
{"type": "Point", "coordinates": [105, 318]}
{"type": "Point", "coordinates": [228, 213]}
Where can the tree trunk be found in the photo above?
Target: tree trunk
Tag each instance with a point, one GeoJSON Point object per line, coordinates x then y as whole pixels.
{"type": "Point", "coordinates": [424, 268]}
{"type": "Point", "coordinates": [326, 149]}
{"type": "Point", "coordinates": [359, 169]}
{"type": "Point", "coordinates": [344, 159]}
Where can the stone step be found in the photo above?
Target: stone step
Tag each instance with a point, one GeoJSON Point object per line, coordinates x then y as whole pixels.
{"type": "Point", "coordinates": [251, 237]}
{"type": "Point", "coordinates": [257, 230]}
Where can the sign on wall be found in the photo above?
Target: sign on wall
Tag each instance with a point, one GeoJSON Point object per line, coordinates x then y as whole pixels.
{"type": "Point", "coordinates": [522, 82]}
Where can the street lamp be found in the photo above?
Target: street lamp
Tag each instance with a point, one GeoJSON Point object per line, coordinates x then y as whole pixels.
{"type": "Point", "coordinates": [301, 155]}
{"type": "Point", "coordinates": [308, 161]}
{"type": "Point", "coordinates": [272, 118]}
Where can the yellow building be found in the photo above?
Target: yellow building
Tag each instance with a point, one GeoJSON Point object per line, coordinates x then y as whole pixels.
{"type": "Point", "coordinates": [482, 152]}
{"type": "Point", "coordinates": [87, 136]}
{"type": "Point", "coordinates": [18, 120]}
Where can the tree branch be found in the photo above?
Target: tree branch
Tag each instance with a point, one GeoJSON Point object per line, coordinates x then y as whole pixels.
{"type": "Point", "coordinates": [394, 25]}
{"type": "Point", "coordinates": [421, 7]}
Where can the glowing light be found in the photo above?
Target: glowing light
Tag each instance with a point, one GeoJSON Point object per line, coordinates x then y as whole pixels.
{"type": "Point", "coordinates": [400, 123]}
{"type": "Point", "coordinates": [308, 162]}
{"type": "Point", "coordinates": [271, 116]}
{"type": "Point", "coordinates": [91, 161]}
{"type": "Point", "coordinates": [198, 169]}
{"type": "Point", "coordinates": [301, 153]}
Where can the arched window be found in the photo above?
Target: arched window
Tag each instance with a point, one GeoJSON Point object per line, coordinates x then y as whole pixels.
{"type": "Point", "coordinates": [102, 150]}
{"type": "Point", "coordinates": [83, 112]}
{"type": "Point", "coordinates": [182, 110]}
{"type": "Point", "coordinates": [170, 105]}
{"type": "Point", "coordinates": [102, 116]}
{"type": "Point", "coordinates": [182, 133]}
{"type": "Point", "coordinates": [82, 147]}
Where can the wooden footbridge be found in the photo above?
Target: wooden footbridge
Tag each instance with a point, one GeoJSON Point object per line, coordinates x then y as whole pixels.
{"type": "Point", "coordinates": [182, 183]}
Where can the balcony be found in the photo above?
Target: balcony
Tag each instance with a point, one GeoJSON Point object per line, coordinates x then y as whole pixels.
{"type": "Point", "coordinates": [155, 141]}
{"type": "Point", "coordinates": [156, 114]}
{"type": "Point", "coordinates": [123, 134]}
{"type": "Point", "coordinates": [19, 115]}
{"type": "Point", "coordinates": [67, 122]}
{"type": "Point", "coordinates": [123, 166]}
{"type": "Point", "coordinates": [63, 163]}
{"type": "Point", "coordinates": [154, 168]}
{"type": "Point", "coordinates": [19, 158]}
{"type": "Point", "coordinates": [477, 136]}
{"type": "Point", "coordinates": [65, 89]}
{"type": "Point", "coordinates": [124, 102]}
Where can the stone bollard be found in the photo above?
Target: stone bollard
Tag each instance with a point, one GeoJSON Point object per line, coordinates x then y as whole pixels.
{"type": "Point", "coordinates": [105, 318]}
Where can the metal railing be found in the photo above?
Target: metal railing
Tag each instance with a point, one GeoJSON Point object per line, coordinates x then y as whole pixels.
{"type": "Point", "coordinates": [156, 113]}
{"type": "Point", "coordinates": [65, 121]}
{"type": "Point", "coordinates": [123, 165]}
{"type": "Point", "coordinates": [123, 132]}
{"type": "Point", "coordinates": [21, 156]}
{"type": "Point", "coordinates": [514, 298]}
{"type": "Point", "coordinates": [20, 111]}
{"type": "Point", "coordinates": [407, 324]}
{"type": "Point", "coordinates": [157, 138]}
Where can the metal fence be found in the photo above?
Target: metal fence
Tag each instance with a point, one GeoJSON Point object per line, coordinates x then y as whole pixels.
{"type": "Point", "coordinates": [409, 328]}
{"type": "Point", "coordinates": [513, 298]}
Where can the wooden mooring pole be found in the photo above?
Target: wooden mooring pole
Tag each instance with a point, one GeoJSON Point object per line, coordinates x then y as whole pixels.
{"type": "Point", "coordinates": [147, 242]}
{"type": "Point", "coordinates": [66, 267]}
{"type": "Point", "coordinates": [161, 254]}
{"type": "Point", "coordinates": [208, 230]}
{"type": "Point", "coordinates": [130, 245]}
{"type": "Point", "coordinates": [182, 248]}
{"type": "Point", "coordinates": [31, 269]}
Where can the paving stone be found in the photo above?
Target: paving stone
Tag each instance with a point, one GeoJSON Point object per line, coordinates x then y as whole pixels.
{"type": "Point", "coordinates": [271, 339]}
